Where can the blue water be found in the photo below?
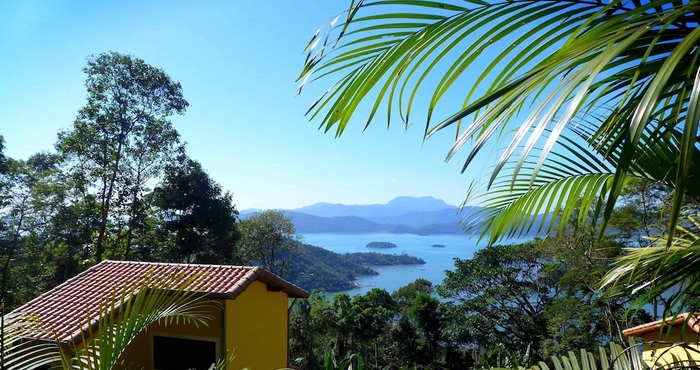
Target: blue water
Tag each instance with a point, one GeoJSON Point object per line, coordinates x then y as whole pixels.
{"type": "Point", "coordinates": [437, 260]}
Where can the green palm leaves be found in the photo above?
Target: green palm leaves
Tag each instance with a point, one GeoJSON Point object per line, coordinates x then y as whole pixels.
{"type": "Point", "coordinates": [103, 340]}
{"type": "Point", "coordinates": [672, 273]}
{"type": "Point", "coordinates": [528, 72]}
{"type": "Point", "coordinates": [577, 95]}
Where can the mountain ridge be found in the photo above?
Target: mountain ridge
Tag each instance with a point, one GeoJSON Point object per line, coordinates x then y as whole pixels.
{"type": "Point", "coordinates": [404, 214]}
{"type": "Point", "coordinates": [395, 207]}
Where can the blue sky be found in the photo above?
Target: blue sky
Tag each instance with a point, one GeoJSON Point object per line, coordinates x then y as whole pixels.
{"type": "Point", "coordinates": [237, 62]}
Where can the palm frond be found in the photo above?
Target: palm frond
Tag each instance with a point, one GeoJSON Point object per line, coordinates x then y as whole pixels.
{"type": "Point", "coordinates": [618, 358]}
{"type": "Point", "coordinates": [566, 185]}
{"type": "Point", "coordinates": [539, 67]}
{"type": "Point", "coordinates": [121, 318]}
{"type": "Point", "coordinates": [671, 272]}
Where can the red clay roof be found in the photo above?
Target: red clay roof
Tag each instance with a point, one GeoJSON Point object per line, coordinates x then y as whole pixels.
{"type": "Point", "coordinates": [639, 331]}
{"type": "Point", "coordinates": [62, 310]}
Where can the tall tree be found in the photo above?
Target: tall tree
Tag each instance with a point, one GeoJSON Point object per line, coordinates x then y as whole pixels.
{"type": "Point", "coordinates": [503, 285]}
{"type": "Point", "coordinates": [270, 240]}
{"type": "Point", "coordinates": [641, 219]}
{"type": "Point", "coordinates": [425, 312]}
{"type": "Point", "coordinates": [34, 195]}
{"type": "Point", "coordinates": [374, 312]}
{"type": "Point", "coordinates": [540, 295]}
{"type": "Point", "coordinates": [585, 93]}
{"type": "Point", "coordinates": [121, 138]}
{"type": "Point", "coordinates": [200, 220]}
{"type": "Point", "coordinates": [3, 159]}
{"type": "Point", "coordinates": [405, 295]}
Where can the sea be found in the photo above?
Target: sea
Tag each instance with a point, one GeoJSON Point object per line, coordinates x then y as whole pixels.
{"type": "Point", "coordinates": [391, 278]}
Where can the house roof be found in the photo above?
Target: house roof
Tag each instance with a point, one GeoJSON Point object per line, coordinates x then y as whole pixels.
{"type": "Point", "coordinates": [693, 323]}
{"type": "Point", "coordinates": [62, 310]}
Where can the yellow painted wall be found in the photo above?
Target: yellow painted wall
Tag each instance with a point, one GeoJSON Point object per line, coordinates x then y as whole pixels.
{"type": "Point", "coordinates": [139, 354]}
{"type": "Point", "coordinates": [659, 354]}
{"type": "Point", "coordinates": [257, 329]}
{"type": "Point", "coordinates": [256, 332]}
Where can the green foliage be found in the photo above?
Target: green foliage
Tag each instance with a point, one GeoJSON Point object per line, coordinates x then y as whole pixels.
{"type": "Point", "coordinates": [547, 74]}
{"type": "Point", "coordinates": [34, 233]}
{"type": "Point", "coordinates": [199, 219]}
{"type": "Point", "coordinates": [121, 140]}
{"type": "Point", "coordinates": [499, 357]}
{"type": "Point", "coordinates": [382, 259]}
{"type": "Point", "coordinates": [674, 271]}
{"type": "Point", "coordinates": [62, 212]}
{"type": "Point", "coordinates": [374, 327]}
{"type": "Point", "coordinates": [642, 213]}
{"type": "Point", "coordinates": [618, 358]}
{"type": "Point", "coordinates": [427, 318]}
{"type": "Point", "coordinates": [3, 159]}
{"type": "Point", "coordinates": [381, 245]}
{"type": "Point", "coordinates": [405, 295]}
{"type": "Point", "coordinates": [507, 306]}
{"type": "Point", "coordinates": [351, 362]}
{"type": "Point", "coordinates": [317, 268]}
{"type": "Point", "coordinates": [269, 240]}
{"type": "Point", "coordinates": [538, 297]}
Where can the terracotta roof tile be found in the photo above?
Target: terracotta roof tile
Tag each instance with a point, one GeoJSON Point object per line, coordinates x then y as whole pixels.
{"type": "Point", "coordinates": [639, 331]}
{"type": "Point", "coordinates": [62, 310]}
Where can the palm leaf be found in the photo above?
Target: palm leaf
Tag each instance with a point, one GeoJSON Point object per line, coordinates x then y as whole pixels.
{"type": "Point", "coordinates": [122, 317]}
{"type": "Point", "coordinates": [618, 358]}
{"type": "Point", "coordinates": [660, 270]}
{"type": "Point", "coordinates": [550, 63]}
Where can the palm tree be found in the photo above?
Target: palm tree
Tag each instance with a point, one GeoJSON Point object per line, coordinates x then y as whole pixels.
{"type": "Point", "coordinates": [122, 317]}
{"type": "Point", "coordinates": [585, 94]}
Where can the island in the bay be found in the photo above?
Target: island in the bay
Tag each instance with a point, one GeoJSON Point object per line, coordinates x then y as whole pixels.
{"type": "Point", "coordinates": [438, 245]}
{"type": "Point", "coordinates": [381, 245]}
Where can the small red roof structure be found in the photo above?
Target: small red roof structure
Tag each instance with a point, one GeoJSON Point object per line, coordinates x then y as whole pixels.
{"type": "Point", "coordinates": [62, 311]}
{"type": "Point", "coordinates": [693, 322]}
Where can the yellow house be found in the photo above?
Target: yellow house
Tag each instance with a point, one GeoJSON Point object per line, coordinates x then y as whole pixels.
{"type": "Point", "coordinates": [672, 342]}
{"type": "Point", "coordinates": [249, 315]}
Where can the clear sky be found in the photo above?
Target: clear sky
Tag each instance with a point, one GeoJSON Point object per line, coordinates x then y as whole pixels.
{"type": "Point", "coordinates": [237, 62]}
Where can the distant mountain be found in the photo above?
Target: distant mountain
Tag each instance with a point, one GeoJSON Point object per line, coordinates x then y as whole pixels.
{"type": "Point", "coordinates": [305, 223]}
{"type": "Point", "coordinates": [396, 207]}
{"type": "Point", "coordinates": [419, 204]}
{"type": "Point", "coordinates": [402, 215]}
{"type": "Point", "coordinates": [416, 215]}
{"type": "Point", "coordinates": [418, 219]}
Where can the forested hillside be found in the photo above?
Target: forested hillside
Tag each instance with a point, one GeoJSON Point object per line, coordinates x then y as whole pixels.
{"type": "Point", "coordinates": [327, 271]}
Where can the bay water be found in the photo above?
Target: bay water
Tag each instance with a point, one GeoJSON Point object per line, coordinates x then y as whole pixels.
{"type": "Point", "coordinates": [391, 278]}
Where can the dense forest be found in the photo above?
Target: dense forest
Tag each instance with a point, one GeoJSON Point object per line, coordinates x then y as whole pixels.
{"type": "Point", "coordinates": [508, 305]}
{"type": "Point", "coordinates": [327, 271]}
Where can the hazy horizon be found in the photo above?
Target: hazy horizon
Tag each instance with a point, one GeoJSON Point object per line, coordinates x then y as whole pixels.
{"type": "Point", "coordinates": [237, 63]}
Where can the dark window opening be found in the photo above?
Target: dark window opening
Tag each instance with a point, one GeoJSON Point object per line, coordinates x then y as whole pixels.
{"type": "Point", "coordinates": [182, 354]}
